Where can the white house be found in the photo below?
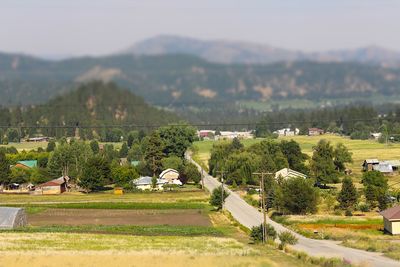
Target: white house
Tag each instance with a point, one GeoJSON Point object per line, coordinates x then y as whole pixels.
{"type": "Point", "coordinates": [287, 173]}
{"type": "Point", "coordinates": [287, 132]}
{"type": "Point", "coordinates": [171, 175]}
{"type": "Point", "coordinates": [231, 135]}
{"type": "Point", "coordinates": [146, 183]}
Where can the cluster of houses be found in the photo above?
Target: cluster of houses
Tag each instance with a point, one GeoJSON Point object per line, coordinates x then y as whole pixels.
{"type": "Point", "coordinates": [167, 177]}
{"type": "Point", "coordinates": [221, 135]}
{"type": "Point", "coordinates": [387, 167]}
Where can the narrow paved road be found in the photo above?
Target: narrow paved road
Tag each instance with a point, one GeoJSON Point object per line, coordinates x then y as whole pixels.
{"type": "Point", "coordinates": [249, 216]}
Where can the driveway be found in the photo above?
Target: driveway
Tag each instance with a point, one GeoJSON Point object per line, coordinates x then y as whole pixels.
{"type": "Point", "coordinates": [249, 216]}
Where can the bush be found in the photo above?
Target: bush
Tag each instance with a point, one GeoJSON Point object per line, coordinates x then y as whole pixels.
{"type": "Point", "coordinates": [348, 213]}
{"type": "Point", "coordinates": [287, 238]}
{"type": "Point", "coordinates": [299, 196]}
{"type": "Point", "coordinates": [364, 207]}
{"type": "Point", "coordinates": [257, 233]}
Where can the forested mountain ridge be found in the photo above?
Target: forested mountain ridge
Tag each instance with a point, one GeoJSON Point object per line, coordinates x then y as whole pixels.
{"type": "Point", "coordinates": [183, 79]}
{"type": "Point", "coordinates": [227, 52]}
{"type": "Point", "coordinates": [93, 104]}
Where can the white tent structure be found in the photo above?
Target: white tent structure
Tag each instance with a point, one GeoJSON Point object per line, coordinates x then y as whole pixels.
{"type": "Point", "coordinates": [11, 218]}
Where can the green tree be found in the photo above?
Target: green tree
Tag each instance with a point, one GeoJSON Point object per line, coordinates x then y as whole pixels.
{"type": "Point", "coordinates": [341, 157]}
{"type": "Point", "coordinates": [5, 171]}
{"type": "Point", "coordinates": [94, 146]}
{"type": "Point", "coordinates": [51, 146]}
{"type": "Point", "coordinates": [20, 175]}
{"type": "Point", "coordinates": [236, 144]}
{"type": "Point", "coordinates": [96, 173]}
{"type": "Point", "coordinates": [375, 189]}
{"type": "Point", "coordinates": [299, 196]}
{"type": "Point", "coordinates": [123, 175]}
{"type": "Point", "coordinates": [192, 173]}
{"type": "Point", "coordinates": [348, 195]}
{"type": "Point", "coordinates": [172, 162]}
{"type": "Point", "coordinates": [322, 164]}
{"type": "Point", "coordinates": [216, 199]}
{"type": "Point", "coordinates": [295, 158]}
{"type": "Point", "coordinates": [123, 152]}
{"type": "Point", "coordinates": [154, 152]}
{"type": "Point", "coordinates": [133, 137]}
{"type": "Point", "coordinates": [177, 139]}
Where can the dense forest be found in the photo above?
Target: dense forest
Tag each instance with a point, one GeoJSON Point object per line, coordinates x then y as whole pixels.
{"type": "Point", "coordinates": [171, 80]}
{"type": "Point", "coordinates": [87, 108]}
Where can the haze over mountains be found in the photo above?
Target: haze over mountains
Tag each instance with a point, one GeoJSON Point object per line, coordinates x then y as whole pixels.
{"type": "Point", "coordinates": [221, 51]}
{"type": "Point", "coordinates": [171, 71]}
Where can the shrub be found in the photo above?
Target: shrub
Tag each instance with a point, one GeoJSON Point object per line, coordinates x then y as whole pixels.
{"type": "Point", "coordinates": [364, 207]}
{"type": "Point", "coordinates": [287, 238]}
{"type": "Point", "coordinates": [257, 233]}
{"type": "Point", "coordinates": [348, 213]}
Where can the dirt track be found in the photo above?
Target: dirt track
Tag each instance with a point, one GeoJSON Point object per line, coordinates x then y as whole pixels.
{"type": "Point", "coordinates": [118, 217]}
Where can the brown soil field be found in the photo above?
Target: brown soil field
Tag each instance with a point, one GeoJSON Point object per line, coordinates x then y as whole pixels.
{"type": "Point", "coordinates": [343, 226]}
{"type": "Point", "coordinates": [119, 217]}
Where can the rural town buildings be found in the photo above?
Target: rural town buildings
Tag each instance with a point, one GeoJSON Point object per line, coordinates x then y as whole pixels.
{"type": "Point", "coordinates": [391, 219]}
{"type": "Point", "coordinates": [171, 175]}
{"type": "Point", "coordinates": [287, 132]}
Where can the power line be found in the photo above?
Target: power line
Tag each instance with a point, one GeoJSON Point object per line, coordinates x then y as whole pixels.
{"type": "Point", "coordinates": [206, 125]}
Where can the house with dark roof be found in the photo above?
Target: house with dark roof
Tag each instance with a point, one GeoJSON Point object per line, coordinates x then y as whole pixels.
{"type": "Point", "coordinates": [368, 164]}
{"type": "Point", "coordinates": [391, 220]}
{"type": "Point", "coordinates": [53, 187]}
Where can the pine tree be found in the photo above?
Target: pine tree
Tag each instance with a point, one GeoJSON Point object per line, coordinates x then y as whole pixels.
{"type": "Point", "coordinates": [348, 195]}
{"type": "Point", "coordinates": [4, 169]}
{"type": "Point", "coordinates": [123, 152]}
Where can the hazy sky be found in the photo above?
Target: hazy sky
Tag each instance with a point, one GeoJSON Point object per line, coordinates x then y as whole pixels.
{"type": "Point", "coordinates": [78, 27]}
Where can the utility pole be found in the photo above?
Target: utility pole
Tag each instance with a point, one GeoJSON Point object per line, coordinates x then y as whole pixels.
{"type": "Point", "coordinates": [263, 204]}
{"type": "Point", "coordinates": [222, 188]}
{"type": "Point", "coordinates": [202, 178]}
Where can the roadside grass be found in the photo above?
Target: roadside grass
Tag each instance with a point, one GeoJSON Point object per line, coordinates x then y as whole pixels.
{"type": "Point", "coordinates": [147, 197]}
{"type": "Point", "coordinates": [156, 230]}
{"type": "Point", "coordinates": [364, 233]}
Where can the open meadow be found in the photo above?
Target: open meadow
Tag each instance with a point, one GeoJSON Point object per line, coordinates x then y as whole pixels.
{"type": "Point", "coordinates": [136, 229]}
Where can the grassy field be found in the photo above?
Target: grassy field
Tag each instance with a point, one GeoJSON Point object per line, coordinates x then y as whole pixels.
{"type": "Point", "coordinates": [221, 242]}
{"type": "Point", "coordinates": [361, 149]}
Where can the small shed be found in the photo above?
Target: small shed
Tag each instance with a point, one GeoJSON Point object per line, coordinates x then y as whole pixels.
{"type": "Point", "coordinates": [53, 187]}
{"type": "Point", "coordinates": [395, 164]}
{"type": "Point", "coordinates": [11, 218]}
{"type": "Point", "coordinates": [369, 163]}
{"type": "Point", "coordinates": [391, 219]}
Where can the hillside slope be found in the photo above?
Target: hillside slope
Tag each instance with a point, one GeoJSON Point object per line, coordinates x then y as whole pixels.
{"type": "Point", "coordinates": [171, 80]}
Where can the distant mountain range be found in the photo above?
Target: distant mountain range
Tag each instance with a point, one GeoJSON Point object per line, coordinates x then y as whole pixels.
{"type": "Point", "coordinates": [228, 52]}
{"type": "Point", "coordinates": [170, 80]}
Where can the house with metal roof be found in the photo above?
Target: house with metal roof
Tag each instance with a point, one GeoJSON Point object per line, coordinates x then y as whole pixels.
{"type": "Point", "coordinates": [287, 173]}
{"type": "Point", "coordinates": [391, 220]}
{"type": "Point", "coordinates": [383, 167]}
{"type": "Point", "coordinates": [146, 183]}
{"type": "Point", "coordinates": [11, 218]}
{"type": "Point", "coordinates": [369, 163]}
{"type": "Point", "coordinates": [395, 164]}
{"type": "Point", "coordinates": [26, 164]}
